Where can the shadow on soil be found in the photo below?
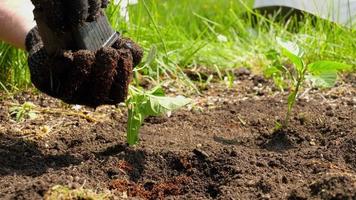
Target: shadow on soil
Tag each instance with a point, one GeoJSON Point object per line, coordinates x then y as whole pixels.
{"type": "Point", "coordinates": [135, 158]}
{"type": "Point", "coordinates": [22, 157]}
{"type": "Point", "coordinates": [282, 140]}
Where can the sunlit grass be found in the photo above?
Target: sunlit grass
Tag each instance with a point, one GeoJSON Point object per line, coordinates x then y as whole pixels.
{"type": "Point", "coordinates": [216, 34]}
{"type": "Point", "coordinates": [14, 72]}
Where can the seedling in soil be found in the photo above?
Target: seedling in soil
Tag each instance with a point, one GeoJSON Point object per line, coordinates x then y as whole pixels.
{"type": "Point", "coordinates": [142, 104]}
{"type": "Point", "coordinates": [24, 111]}
{"type": "Point", "coordinates": [229, 78]}
{"type": "Point", "coordinates": [322, 74]}
{"type": "Point", "coordinates": [276, 71]}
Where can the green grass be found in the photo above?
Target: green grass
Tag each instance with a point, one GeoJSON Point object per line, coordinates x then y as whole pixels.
{"type": "Point", "coordinates": [14, 73]}
{"type": "Point", "coordinates": [189, 33]}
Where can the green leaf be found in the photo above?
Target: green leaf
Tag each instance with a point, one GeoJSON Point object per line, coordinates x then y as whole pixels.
{"type": "Point", "coordinates": [157, 105]}
{"type": "Point", "coordinates": [151, 55]}
{"type": "Point", "coordinates": [327, 67]}
{"type": "Point", "coordinates": [270, 71]}
{"type": "Point", "coordinates": [157, 91]}
{"type": "Point", "coordinates": [272, 55]}
{"type": "Point", "coordinates": [293, 52]}
{"type": "Point", "coordinates": [324, 73]}
{"type": "Point", "coordinates": [291, 47]}
{"type": "Point", "coordinates": [323, 80]}
{"type": "Point", "coordinates": [143, 105]}
{"type": "Point", "coordinates": [32, 115]}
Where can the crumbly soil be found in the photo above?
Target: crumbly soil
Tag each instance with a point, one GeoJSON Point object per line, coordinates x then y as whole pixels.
{"type": "Point", "coordinates": [222, 147]}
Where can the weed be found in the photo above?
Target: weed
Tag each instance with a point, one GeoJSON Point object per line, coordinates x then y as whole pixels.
{"type": "Point", "coordinates": [24, 111]}
{"type": "Point", "coordinates": [320, 73]}
{"type": "Point", "coordinates": [229, 79]}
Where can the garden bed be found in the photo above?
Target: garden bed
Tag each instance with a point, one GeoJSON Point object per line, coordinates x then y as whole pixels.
{"type": "Point", "coordinates": [223, 147]}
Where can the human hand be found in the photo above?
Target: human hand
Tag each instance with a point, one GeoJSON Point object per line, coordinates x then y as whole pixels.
{"type": "Point", "coordinates": [83, 77]}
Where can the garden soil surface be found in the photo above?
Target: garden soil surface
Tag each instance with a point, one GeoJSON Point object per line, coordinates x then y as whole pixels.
{"type": "Point", "coordinates": [224, 146]}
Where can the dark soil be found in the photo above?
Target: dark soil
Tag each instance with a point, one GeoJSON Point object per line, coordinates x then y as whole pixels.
{"type": "Point", "coordinates": [225, 147]}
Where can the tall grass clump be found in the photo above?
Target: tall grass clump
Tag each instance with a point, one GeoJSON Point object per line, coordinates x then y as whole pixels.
{"type": "Point", "coordinates": [228, 34]}
{"type": "Point", "coordinates": [14, 73]}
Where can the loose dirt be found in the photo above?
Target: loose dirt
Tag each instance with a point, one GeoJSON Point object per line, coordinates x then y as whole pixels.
{"type": "Point", "coordinates": [223, 147]}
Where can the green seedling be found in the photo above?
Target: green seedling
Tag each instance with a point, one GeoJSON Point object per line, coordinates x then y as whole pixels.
{"type": "Point", "coordinates": [321, 74]}
{"type": "Point", "coordinates": [229, 78]}
{"type": "Point", "coordinates": [142, 104]}
{"type": "Point", "coordinates": [276, 71]}
{"type": "Point", "coordinates": [24, 111]}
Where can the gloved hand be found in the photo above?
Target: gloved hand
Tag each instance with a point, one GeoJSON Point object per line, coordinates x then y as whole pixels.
{"type": "Point", "coordinates": [62, 14]}
{"type": "Point", "coordinates": [83, 77]}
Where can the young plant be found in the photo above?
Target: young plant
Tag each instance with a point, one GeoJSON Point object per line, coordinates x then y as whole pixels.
{"type": "Point", "coordinates": [276, 71]}
{"type": "Point", "coordinates": [142, 104]}
{"type": "Point", "coordinates": [321, 73]}
{"type": "Point", "coordinates": [24, 111]}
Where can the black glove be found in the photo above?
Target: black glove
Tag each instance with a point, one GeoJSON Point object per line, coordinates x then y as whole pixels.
{"type": "Point", "coordinates": [62, 14]}
{"type": "Point", "coordinates": [79, 76]}
{"type": "Point", "coordinates": [83, 77]}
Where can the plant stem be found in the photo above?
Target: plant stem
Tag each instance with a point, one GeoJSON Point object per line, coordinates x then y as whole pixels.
{"type": "Point", "coordinates": [294, 94]}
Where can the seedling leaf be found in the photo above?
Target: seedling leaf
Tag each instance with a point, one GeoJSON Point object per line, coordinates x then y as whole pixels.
{"type": "Point", "coordinates": [152, 103]}
{"type": "Point", "coordinates": [269, 72]}
{"type": "Point", "coordinates": [323, 80]}
{"type": "Point", "coordinates": [157, 91]}
{"type": "Point", "coordinates": [324, 73]}
{"type": "Point", "coordinates": [293, 52]}
{"type": "Point", "coordinates": [151, 55]}
{"type": "Point", "coordinates": [327, 66]}
{"type": "Point", "coordinates": [162, 105]}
